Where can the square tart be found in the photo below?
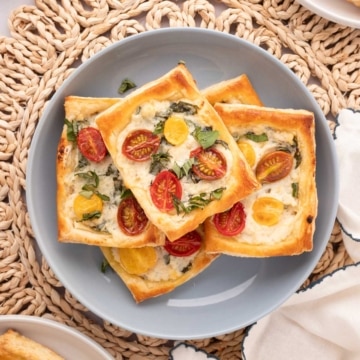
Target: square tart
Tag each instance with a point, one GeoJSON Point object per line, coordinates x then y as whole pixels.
{"type": "Point", "coordinates": [175, 96]}
{"type": "Point", "coordinates": [95, 221]}
{"type": "Point", "coordinates": [279, 218]}
{"type": "Point", "coordinates": [236, 90]}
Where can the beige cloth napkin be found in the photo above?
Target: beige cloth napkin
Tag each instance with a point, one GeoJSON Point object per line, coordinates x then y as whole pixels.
{"type": "Point", "coordinates": [347, 142]}
{"type": "Point", "coordinates": [323, 321]}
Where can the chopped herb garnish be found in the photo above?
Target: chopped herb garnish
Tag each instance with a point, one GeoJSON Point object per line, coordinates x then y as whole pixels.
{"type": "Point", "coordinates": [295, 190]}
{"type": "Point", "coordinates": [92, 183]}
{"type": "Point", "coordinates": [100, 228]}
{"type": "Point", "coordinates": [184, 107]}
{"type": "Point", "coordinates": [126, 193]}
{"type": "Point", "coordinates": [90, 177]}
{"type": "Point", "coordinates": [159, 127]}
{"type": "Point", "coordinates": [91, 215]}
{"type": "Point", "coordinates": [256, 137]}
{"type": "Point", "coordinates": [159, 161]}
{"type": "Point", "coordinates": [297, 155]}
{"type": "Point", "coordinates": [206, 137]}
{"type": "Point", "coordinates": [112, 170]}
{"type": "Point", "coordinates": [82, 162]}
{"type": "Point", "coordinates": [166, 258]}
{"type": "Point", "coordinates": [186, 268]}
{"type": "Point", "coordinates": [181, 171]}
{"type": "Point", "coordinates": [104, 266]}
{"type": "Point", "coordinates": [72, 130]}
{"type": "Point", "coordinates": [198, 201]}
{"type": "Point", "coordinates": [126, 85]}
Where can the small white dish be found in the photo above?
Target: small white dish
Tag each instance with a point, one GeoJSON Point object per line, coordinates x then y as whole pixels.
{"type": "Point", "coordinates": [64, 340]}
{"type": "Point", "coordinates": [338, 11]}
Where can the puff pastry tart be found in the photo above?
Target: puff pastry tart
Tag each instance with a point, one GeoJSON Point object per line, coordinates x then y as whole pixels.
{"type": "Point", "coordinates": [355, 2]}
{"type": "Point", "coordinates": [279, 218]}
{"type": "Point", "coordinates": [93, 205]}
{"type": "Point", "coordinates": [149, 272]}
{"type": "Point", "coordinates": [175, 154]}
{"type": "Point", "coordinates": [14, 346]}
{"type": "Point", "coordinates": [235, 90]}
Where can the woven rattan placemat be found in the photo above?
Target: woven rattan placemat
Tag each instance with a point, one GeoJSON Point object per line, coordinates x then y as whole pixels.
{"type": "Point", "coordinates": [50, 39]}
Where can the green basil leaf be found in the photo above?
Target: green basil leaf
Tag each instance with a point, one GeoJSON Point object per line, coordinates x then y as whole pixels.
{"type": "Point", "coordinates": [91, 215]}
{"type": "Point", "coordinates": [90, 176]}
{"type": "Point", "coordinates": [184, 107]}
{"type": "Point", "coordinates": [159, 161]}
{"type": "Point", "coordinates": [126, 85]}
{"type": "Point", "coordinates": [206, 137]}
{"type": "Point", "coordinates": [71, 131]}
{"type": "Point", "coordinates": [256, 137]}
{"type": "Point", "coordinates": [104, 266]}
{"type": "Point", "coordinates": [295, 190]}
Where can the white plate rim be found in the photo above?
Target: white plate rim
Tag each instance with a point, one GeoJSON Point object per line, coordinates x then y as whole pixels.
{"type": "Point", "coordinates": [328, 12]}
{"type": "Point", "coordinates": [19, 322]}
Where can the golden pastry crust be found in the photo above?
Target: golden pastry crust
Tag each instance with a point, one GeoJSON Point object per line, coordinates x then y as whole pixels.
{"type": "Point", "coordinates": [78, 109]}
{"type": "Point", "coordinates": [175, 86]}
{"type": "Point", "coordinates": [355, 2]}
{"type": "Point", "coordinates": [142, 288]}
{"type": "Point", "coordinates": [294, 233]}
{"type": "Point", "coordinates": [14, 346]}
{"type": "Point", "coordinates": [235, 90]}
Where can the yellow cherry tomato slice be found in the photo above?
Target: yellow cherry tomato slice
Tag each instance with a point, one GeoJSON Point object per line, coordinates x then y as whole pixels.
{"type": "Point", "coordinates": [137, 261]}
{"type": "Point", "coordinates": [267, 210]}
{"type": "Point", "coordinates": [84, 207]}
{"type": "Point", "coordinates": [248, 152]}
{"type": "Point", "coordinates": [274, 166]}
{"type": "Point", "coordinates": [176, 130]}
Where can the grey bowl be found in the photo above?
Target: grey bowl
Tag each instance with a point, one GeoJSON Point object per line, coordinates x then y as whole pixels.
{"type": "Point", "coordinates": [233, 292]}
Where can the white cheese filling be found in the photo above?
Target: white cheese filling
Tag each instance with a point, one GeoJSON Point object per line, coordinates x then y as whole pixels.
{"type": "Point", "coordinates": [139, 174]}
{"type": "Point", "coordinates": [108, 219]}
{"type": "Point", "coordinates": [167, 267]}
{"type": "Point", "coordinates": [281, 190]}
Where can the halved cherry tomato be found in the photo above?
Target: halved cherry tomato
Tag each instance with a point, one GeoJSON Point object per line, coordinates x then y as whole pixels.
{"type": "Point", "coordinates": [140, 144]}
{"type": "Point", "coordinates": [248, 152]}
{"type": "Point", "coordinates": [175, 130]}
{"type": "Point", "coordinates": [210, 164]}
{"type": "Point", "coordinates": [137, 261]}
{"type": "Point", "coordinates": [91, 144]}
{"type": "Point", "coordinates": [131, 217]}
{"type": "Point", "coordinates": [231, 222]}
{"type": "Point", "coordinates": [184, 246]}
{"type": "Point", "coordinates": [274, 166]}
{"type": "Point", "coordinates": [267, 210]}
{"type": "Point", "coordinates": [164, 187]}
{"type": "Point", "coordinates": [84, 206]}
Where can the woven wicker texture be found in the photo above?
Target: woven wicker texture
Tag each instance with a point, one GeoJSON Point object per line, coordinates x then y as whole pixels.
{"type": "Point", "coordinates": [50, 39]}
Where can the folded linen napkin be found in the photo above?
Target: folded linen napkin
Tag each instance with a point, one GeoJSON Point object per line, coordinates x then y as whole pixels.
{"type": "Point", "coordinates": [347, 143]}
{"type": "Point", "coordinates": [322, 321]}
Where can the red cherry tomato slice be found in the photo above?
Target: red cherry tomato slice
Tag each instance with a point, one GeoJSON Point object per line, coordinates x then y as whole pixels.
{"type": "Point", "coordinates": [210, 163]}
{"type": "Point", "coordinates": [91, 144]}
{"type": "Point", "coordinates": [184, 246]}
{"type": "Point", "coordinates": [231, 222]}
{"type": "Point", "coordinates": [140, 144]}
{"type": "Point", "coordinates": [131, 217]}
{"type": "Point", "coordinates": [164, 187]}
